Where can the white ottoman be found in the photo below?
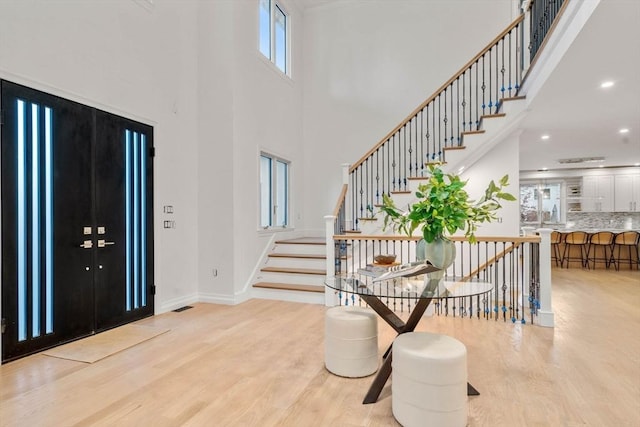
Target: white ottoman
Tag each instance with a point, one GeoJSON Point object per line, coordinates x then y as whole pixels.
{"type": "Point", "coordinates": [429, 380]}
{"type": "Point", "coordinates": [351, 341]}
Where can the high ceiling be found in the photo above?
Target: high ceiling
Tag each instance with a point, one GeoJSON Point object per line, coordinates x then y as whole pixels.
{"type": "Point", "coordinates": [582, 119]}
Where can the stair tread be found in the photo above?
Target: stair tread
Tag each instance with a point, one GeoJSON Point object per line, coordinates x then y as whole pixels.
{"type": "Point", "coordinates": [490, 116]}
{"type": "Point", "coordinates": [471, 132]}
{"type": "Point", "coordinates": [294, 270]}
{"type": "Point", "coordinates": [401, 192]}
{"type": "Point", "coordinates": [460, 147]}
{"type": "Point", "coordinates": [288, 255]}
{"type": "Point", "coordinates": [290, 287]}
{"type": "Point", "coordinates": [303, 241]}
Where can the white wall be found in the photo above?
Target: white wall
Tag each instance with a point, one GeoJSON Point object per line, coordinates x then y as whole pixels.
{"type": "Point", "coordinates": [246, 105]}
{"type": "Point", "coordinates": [368, 64]}
{"type": "Point", "coordinates": [136, 61]}
{"type": "Point", "coordinates": [503, 159]}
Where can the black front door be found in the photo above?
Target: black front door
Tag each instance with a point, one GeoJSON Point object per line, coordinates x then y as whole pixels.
{"type": "Point", "coordinates": [76, 220]}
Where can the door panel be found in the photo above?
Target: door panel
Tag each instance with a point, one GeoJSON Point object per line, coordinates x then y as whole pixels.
{"type": "Point", "coordinates": [46, 198]}
{"type": "Point", "coordinates": [124, 174]}
{"type": "Point", "coordinates": [65, 175]}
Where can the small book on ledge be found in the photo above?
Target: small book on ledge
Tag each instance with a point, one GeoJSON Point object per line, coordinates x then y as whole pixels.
{"type": "Point", "coordinates": [406, 270]}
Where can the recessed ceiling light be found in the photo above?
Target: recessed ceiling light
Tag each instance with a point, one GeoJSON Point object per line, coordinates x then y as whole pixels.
{"type": "Point", "coordinates": [624, 130]}
{"type": "Point", "coordinates": [544, 169]}
{"type": "Point", "coordinates": [545, 137]}
{"type": "Point", "coordinates": [601, 166]}
{"type": "Point", "coordinates": [607, 84]}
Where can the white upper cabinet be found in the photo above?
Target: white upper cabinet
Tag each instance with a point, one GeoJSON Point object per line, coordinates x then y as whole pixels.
{"type": "Point", "coordinates": [627, 193]}
{"type": "Point", "coordinates": [597, 193]}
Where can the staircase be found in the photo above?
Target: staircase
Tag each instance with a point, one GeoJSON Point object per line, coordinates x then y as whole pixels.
{"type": "Point", "coordinates": [474, 145]}
{"type": "Point", "coordinates": [458, 125]}
{"type": "Point", "coordinates": [294, 270]}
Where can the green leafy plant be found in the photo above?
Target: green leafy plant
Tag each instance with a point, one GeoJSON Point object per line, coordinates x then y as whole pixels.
{"type": "Point", "coordinates": [444, 207]}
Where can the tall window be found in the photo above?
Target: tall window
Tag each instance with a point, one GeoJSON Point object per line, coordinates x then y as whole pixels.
{"type": "Point", "coordinates": [274, 191]}
{"type": "Point", "coordinates": [274, 33]}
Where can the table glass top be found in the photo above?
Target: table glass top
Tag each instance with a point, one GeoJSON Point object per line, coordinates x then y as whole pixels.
{"type": "Point", "coordinates": [415, 287]}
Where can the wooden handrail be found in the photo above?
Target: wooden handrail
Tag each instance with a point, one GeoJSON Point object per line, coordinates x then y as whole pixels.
{"type": "Point", "coordinates": [437, 92]}
{"type": "Point", "coordinates": [340, 201]}
{"type": "Point", "coordinates": [500, 239]}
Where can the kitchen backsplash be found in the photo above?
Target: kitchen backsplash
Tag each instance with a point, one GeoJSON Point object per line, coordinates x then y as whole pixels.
{"type": "Point", "coordinates": [604, 220]}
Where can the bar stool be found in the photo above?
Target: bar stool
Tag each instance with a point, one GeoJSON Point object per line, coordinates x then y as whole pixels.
{"type": "Point", "coordinates": [579, 239]}
{"type": "Point", "coordinates": [556, 240]}
{"type": "Point", "coordinates": [630, 240]}
{"type": "Point", "coordinates": [604, 241]}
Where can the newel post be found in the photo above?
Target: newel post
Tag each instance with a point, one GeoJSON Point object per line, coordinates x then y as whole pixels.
{"type": "Point", "coordinates": [330, 265]}
{"type": "Point", "coordinates": [545, 312]}
{"type": "Point", "coordinates": [348, 218]}
{"type": "Point", "coordinates": [526, 36]}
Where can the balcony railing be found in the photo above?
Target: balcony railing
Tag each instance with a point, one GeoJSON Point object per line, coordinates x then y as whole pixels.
{"type": "Point", "coordinates": [510, 263]}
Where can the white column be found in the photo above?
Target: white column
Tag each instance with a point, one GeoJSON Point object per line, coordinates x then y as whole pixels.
{"type": "Point", "coordinates": [348, 219]}
{"type": "Point", "coordinates": [330, 298]}
{"type": "Point", "coordinates": [545, 312]}
{"type": "Point", "coordinates": [526, 36]}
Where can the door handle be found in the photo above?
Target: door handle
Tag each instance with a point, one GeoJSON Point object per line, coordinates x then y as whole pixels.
{"type": "Point", "coordinates": [87, 244]}
{"type": "Point", "coordinates": [102, 243]}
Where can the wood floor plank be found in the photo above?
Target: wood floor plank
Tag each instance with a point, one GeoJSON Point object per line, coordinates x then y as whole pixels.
{"type": "Point", "coordinates": [261, 363]}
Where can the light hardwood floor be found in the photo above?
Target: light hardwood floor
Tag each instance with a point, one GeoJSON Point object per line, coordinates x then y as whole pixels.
{"type": "Point", "coordinates": [260, 363]}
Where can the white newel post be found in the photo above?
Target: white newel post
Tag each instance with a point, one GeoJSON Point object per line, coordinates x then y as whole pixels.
{"type": "Point", "coordinates": [545, 312]}
{"type": "Point", "coordinates": [330, 265]}
{"type": "Point", "coordinates": [526, 24]}
{"type": "Point", "coordinates": [348, 219]}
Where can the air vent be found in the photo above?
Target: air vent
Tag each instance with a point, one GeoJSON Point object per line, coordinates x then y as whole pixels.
{"type": "Point", "coordinates": [581, 160]}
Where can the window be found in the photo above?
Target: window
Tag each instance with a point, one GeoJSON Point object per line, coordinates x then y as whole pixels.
{"type": "Point", "coordinates": [541, 203]}
{"type": "Point", "coordinates": [274, 33]}
{"type": "Point", "coordinates": [274, 191]}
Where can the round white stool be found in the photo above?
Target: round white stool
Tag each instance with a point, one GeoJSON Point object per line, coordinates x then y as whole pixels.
{"type": "Point", "coordinates": [351, 341]}
{"type": "Point", "coordinates": [429, 380]}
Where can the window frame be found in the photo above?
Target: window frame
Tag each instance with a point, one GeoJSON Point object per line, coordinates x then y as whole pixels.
{"type": "Point", "coordinates": [273, 54]}
{"type": "Point", "coordinates": [274, 197]}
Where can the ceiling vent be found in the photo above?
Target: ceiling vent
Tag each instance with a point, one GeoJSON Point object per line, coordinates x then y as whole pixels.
{"type": "Point", "coordinates": [581, 160]}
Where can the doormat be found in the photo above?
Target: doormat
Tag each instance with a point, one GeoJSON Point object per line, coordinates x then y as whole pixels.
{"type": "Point", "coordinates": [104, 344]}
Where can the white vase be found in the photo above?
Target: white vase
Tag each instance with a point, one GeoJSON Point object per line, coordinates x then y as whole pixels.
{"type": "Point", "coordinates": [440, 253]}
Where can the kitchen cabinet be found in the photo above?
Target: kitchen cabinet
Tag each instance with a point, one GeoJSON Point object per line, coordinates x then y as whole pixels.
{"type": "Point", "coordinates": [597, 193]}
{"type": "Point", "coordinates": [627, 193]}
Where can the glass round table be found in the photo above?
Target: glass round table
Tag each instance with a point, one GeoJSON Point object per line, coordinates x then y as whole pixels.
{"type": "Point", "coordinates": [380, 291]}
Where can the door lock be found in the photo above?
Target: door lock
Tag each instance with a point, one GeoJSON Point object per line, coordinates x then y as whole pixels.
{"type": "Point", "coordinates": [87, 244]}
{"type": "Point", "coordinates": [102, 243]}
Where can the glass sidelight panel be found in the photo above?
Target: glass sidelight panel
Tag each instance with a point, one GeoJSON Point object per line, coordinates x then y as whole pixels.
{"type": "Point", "coordinates": [135, 215]}
{"type": "Point", "coordinates": [34, 158]}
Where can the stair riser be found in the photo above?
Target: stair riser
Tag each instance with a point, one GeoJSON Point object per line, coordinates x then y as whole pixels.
{"type": "Point", "coordinates": [281, 248]}
{"type": "Point", "coordinates": [296, 263]}
{"type": "Point", "coordinates": [302, 279]}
